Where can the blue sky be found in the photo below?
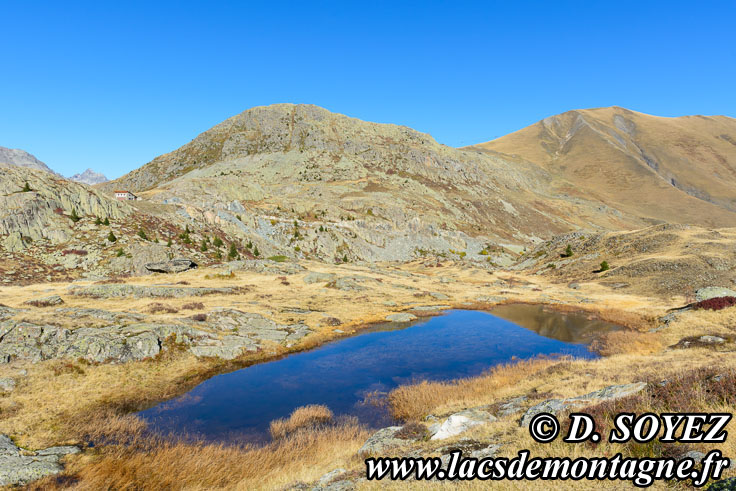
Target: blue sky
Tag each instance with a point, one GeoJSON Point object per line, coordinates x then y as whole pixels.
{"type": "Point", "coordinates": [110, 85]}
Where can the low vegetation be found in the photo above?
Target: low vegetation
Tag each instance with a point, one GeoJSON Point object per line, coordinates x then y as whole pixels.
{"type": "Point", "coordinates": [717, 303]}
{"type": "Point", "coordinates": [305, 417]}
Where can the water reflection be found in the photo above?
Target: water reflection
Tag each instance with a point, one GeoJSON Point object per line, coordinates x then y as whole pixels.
{"type": "Point", "coordinates": [459, 343]}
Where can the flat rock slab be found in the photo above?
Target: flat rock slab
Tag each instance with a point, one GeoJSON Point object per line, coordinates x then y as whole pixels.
{"type": "Point", "coordinates": [173, 266]}
{"type": "Point", "coordinates": [226, 334]}
{"type": "Point", "coordinates": [137, 291]}
{"type": "Point", "coordinates": [49, 301]}
{"type": "Point", "coordinates": [554, 406]}
{"type": "Point", "coordinates": [401, 317]}
{"type": "Point", "coordinates": [461, 422]}
{"type": "Point", "coordinates": [18, 468]}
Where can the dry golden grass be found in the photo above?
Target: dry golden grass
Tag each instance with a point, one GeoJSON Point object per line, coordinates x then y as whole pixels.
{"type": "Point", "coordinates": [412, 402]}
{"type": "Point", "coordinates": [145, 462]}
{"type": "Point", "coordinates": [302, 417]}
{"type": "Point", "coordinates": [632, 342]}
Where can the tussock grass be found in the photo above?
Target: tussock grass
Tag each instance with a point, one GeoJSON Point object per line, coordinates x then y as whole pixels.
{"type": "Point", "coordinates": [152, 462]}
{"type": "Point", "coordinates": [311, 416]}
{"type": "Point", "coordinates": [632, 342]}
{"type": "Point", "coordinates": [412, 402]}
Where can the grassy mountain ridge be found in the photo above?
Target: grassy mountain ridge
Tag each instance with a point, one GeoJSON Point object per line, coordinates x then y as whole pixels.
{"type": "Point", "coordinates": [680, 170]}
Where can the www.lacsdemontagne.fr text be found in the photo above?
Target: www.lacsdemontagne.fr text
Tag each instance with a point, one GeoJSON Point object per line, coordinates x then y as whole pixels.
{"type": "Point", "coordinates": [641, 472]}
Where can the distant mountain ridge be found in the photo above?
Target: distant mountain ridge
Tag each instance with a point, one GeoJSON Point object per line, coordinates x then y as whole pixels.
{"type": "Point", "coordinates": [89, 177]}
{"type": "Point", "coordinates": [20, 158]}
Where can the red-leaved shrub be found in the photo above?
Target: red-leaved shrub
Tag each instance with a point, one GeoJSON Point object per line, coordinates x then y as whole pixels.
{"type": "Point", "coordinates": [717, 303]}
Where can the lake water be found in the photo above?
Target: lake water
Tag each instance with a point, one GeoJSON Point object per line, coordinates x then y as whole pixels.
{"type": "Point", "coordinates": [239, 406]}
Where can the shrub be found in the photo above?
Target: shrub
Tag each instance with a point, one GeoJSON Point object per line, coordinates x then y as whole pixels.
{"type": "Point", "coordinates": [120, 252]}
{"type": "Point", "coordinates": [106, 222]}
{"type": "Point", "coordinates": [193, 306]}
{"type": "Point", "coordinates": [203, 247]}
{"type": "Point", "coordinates": [168, 243]}
{"type": "Point", "coordinates": [76, 252]}
{"type": "Point", "coordinates": [233, 252]}
{"type": "Point", "coordinates": [199, 317]}
{"type": "Point", "coordinates": [217, 242]}
{"type": "Point", "coordinates": [412, 431]}
{"type": "Point", "coordinates": [111, 237]}
{"type": "Point", "coordinates": [98, 221]}
{"type": "Point", "coordinates": [74, 217]}
{"type": "Point", "coordinates": [256, 253]}
{"type": "Point", "coordinates": [26, 188]}
{"type": "Point", "coordinates": [345, 258]}
{"type": "Point", "coordinates": [142, 234]}
{"type": "Point", "coordinates": [278, 259]}
{"type": "Point", "coordinates": [568, 251]}
{"type": "Point", "coordinates": [717, 303]}
{"type": "Point", "coordinates": [157, 307]}
{"type": "Point", "coordinates": [604, 267]}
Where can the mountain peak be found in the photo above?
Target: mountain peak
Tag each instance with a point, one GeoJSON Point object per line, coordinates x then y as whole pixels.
{"type": "Point", "coordinates": [89, 177]}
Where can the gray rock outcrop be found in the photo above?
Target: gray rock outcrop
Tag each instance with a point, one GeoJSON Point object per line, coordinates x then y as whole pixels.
{"type": "Point", "coordinates": [554, 406]}
{"type": "Point", "coordinates": [19, 468]}
{"type": "Point", "coordinates": [174, 266]}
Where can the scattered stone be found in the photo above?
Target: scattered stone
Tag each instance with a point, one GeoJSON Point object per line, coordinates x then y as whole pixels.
{"type": "Point", "coordinates": [332, 321]}
{"type": "Point", "coordinates": [711, 339]}
{"type": "Point", "coordinates": [390, 303]}
{"type": "Point", "coordinates": [438, 296]}
{"type": "Point", "coordinates": [315, 277]}
{"type": "Point", "coordinates": [554, 406]}
{"type": "Point", "coordinates": [574, 286]}
{"type": "Point", "coordinates": [430, 308]}
{"type": "Point", "coordinates": [330, 476]}
{"type": "Point", "coordinates": [490, 299]}
{"type": "Point", "coordinates": [401, 317]}
{"type": "Point", "coordinates": [7, 384]}
{"type": "Point", "coordinates": [692, 454]}
{"type": "Point", "coordinates": [713, 292]}
{"type": "Point", "coordinates": [461, 422]}
{"type": "Point", "coordinates": [174, 266]}
{"type": "Point", "coordinates": [49, 301]}
{"type": "Point", "coordinates": [512, 406]}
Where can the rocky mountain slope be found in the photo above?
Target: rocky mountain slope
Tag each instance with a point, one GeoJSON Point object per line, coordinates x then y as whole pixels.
{"type": "Point", "coordinates": [300, 182]}
{"type": "Point", "coordinates": [678, 170]}
{"type": "Point", "coordinates": [89, 177]}
{"type": "Point", "coordinates": [20, 158]}
{"type": "Point", "coordinates": [281, 175]}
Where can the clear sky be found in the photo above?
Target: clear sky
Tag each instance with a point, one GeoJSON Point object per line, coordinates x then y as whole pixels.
{"type": "Point", "coordinates": [110, 85]}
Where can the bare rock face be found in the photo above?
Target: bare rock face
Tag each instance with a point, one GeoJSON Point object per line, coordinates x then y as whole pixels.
{"type": "Point", "coordinates": [18, 468]}
{"type": "Point", "coordinates": [227, 334]}
{"type": "Point", "coordinates": [173, 266]}
{"type": "Point", "coordinates": [42, 209]}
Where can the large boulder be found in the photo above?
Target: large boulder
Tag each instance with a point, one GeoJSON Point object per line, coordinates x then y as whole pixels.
{"type": "Point", "coordinates": [713, 292]}
{"type": "Point", "coordinates": [173, 266]}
